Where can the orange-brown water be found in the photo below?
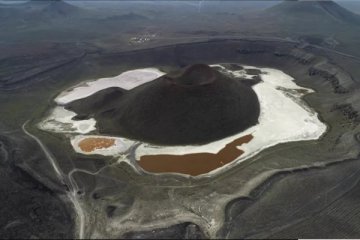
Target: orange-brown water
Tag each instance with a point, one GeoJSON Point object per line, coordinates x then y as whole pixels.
{"type": "Point", "coordinates": [196, 163]}
{"type": "Point", "coordinates": [91, 144]}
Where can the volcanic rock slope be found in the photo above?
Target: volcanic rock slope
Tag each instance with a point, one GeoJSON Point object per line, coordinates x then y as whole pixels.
{"type": "Point", "coordinates": [194, 105]}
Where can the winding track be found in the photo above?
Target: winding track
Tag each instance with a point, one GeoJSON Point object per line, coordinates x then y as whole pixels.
{"type": "Point", "coordinates": [72, 193]}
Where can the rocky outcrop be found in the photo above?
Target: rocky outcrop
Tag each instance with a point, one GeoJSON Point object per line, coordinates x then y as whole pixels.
{"type": "Point", "coordinates": [348, 112]}
{"type": "Point", "coordinates": [333, 77]}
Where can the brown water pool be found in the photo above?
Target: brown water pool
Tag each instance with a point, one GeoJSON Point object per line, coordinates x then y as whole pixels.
{"type": "Point", "coordinates": [196, 163]}
{"type": "Point", "coordinates": [90, 144]}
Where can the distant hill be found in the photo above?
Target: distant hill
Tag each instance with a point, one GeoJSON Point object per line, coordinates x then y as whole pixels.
{"type": "Point", "coordinates": [315, 11]}
{"type": "Point", "coordinates": [58, 8]}
{"type": "Point", "coordinates": [35, 5]}
{"type": "Point", "coordinates": [33, 13]}
{"type": "Point", "coordinates": [339, 12]}
{"type": "Point", "coordinates": [312, 11]}
{"type": "Point", "coordinates": [43, 8]}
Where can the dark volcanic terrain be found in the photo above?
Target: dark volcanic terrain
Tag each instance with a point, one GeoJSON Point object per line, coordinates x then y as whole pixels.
{"type": "Point", "coordinates": [31, 209]}
{"type": "Point", "coordinates": [308, 65]}
{"type": "Point", "coordinates": [194, 105]}
{"type": "Point", "coordinates": [292, 190]}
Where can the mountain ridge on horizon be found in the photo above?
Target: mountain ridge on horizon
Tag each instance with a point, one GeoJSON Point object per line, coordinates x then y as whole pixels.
{"type": "Point", "coordinates": [320, 9]}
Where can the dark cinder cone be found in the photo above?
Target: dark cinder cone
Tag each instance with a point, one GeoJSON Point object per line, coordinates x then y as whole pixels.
{"type": "Point", "coordinates": [194, 105]}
